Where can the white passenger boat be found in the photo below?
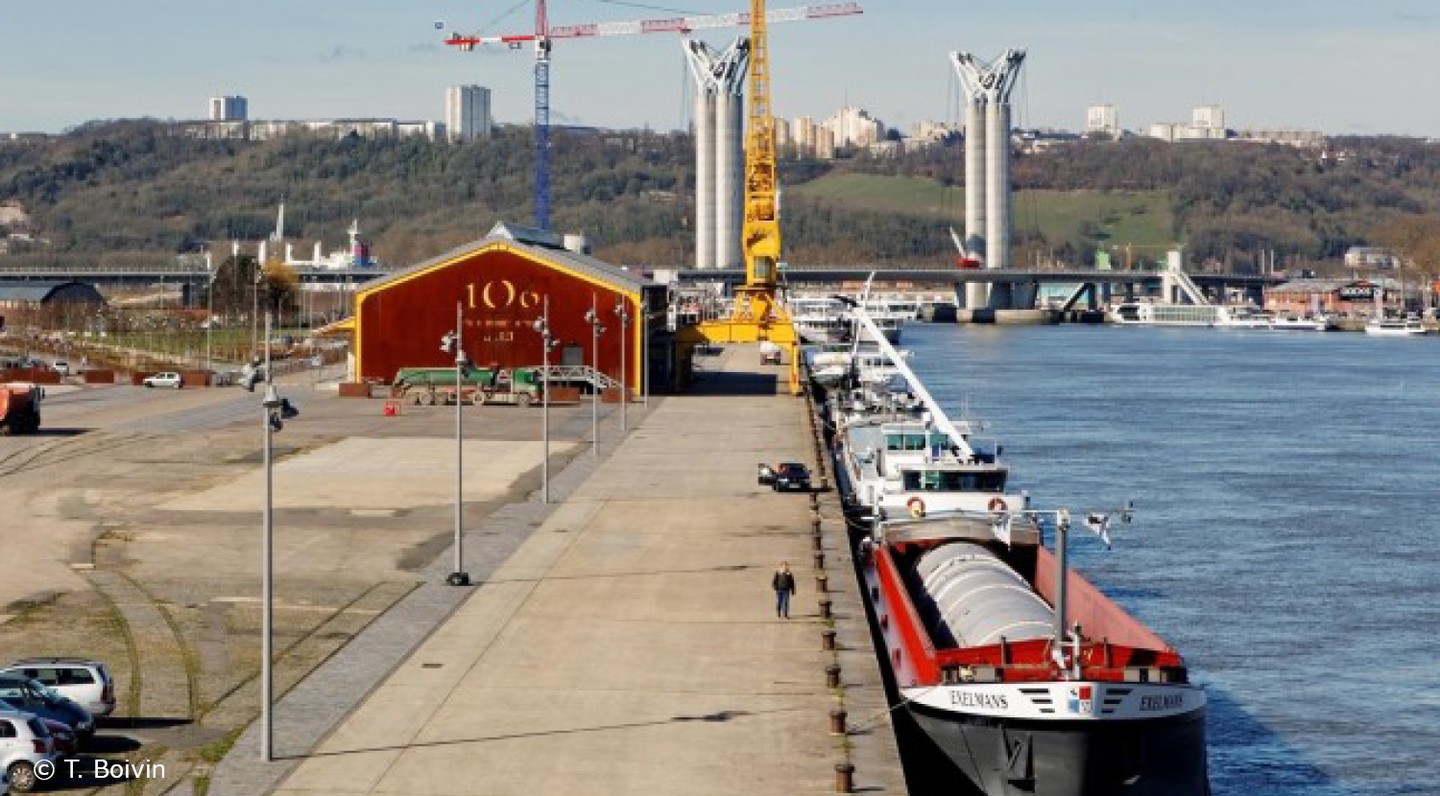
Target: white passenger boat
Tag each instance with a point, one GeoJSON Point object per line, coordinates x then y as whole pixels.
{"type": "Point", "coordinates": [1409, 326]}
{"type": "Point", "coordinates": [1291, 323]}
{"type": "Point", "coordinates": [1155, 313]}
{"type": "Point", "coordinates": [1242, 318]}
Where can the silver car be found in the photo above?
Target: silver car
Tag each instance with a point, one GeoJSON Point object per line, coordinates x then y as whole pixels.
{"type": "Point", "coordinates": [86, 682]}
{"type": "Point", "coordinates": [24, 744]}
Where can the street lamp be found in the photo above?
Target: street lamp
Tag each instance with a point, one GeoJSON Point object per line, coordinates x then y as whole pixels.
{"type": "Point", "coordinates": [452, 344]}
{"type": "Point", "coordinates": [593, 318]}
{"type": "Point", "coordinates": [623, 313]}
{"type": "Point", "coordinates": [542, 326]}
{"type": "Point", "coordinates": [275, 410]}
{"type": "Point", "coordinates": [209, 310]}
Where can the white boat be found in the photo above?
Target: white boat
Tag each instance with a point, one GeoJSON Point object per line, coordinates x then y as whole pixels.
{"type": "Point", "coordinates": [826, 319]}
{"type": "Point", "coordinates": [1409, 326]}
{"type": "Point", "coordinates": [1155, 313]}
{"type": "Point", "coordinates": [1242, 318]}
{"type": "Point", "coordinates": [1291, 323]}
{"type": "Point", "coordinates": [819, 319]}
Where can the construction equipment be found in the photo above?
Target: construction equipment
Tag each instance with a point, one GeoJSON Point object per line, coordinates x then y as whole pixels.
{"type": "Point", "coordinates": [757, 314]}
{"type": "Point", "coordinates": [544, 35]}
{"type": "Point", "coordinates": [20, 408]}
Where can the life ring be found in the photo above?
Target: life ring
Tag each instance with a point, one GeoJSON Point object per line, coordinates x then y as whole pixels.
{"type": "Point", "coordinates": [998, 504]}
{"type": "Point", "coordinates": [916, 506]}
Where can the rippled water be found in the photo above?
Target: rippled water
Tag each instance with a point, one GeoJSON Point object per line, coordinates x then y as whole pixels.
{"type": "Point", "coordinates": [1287, 539]}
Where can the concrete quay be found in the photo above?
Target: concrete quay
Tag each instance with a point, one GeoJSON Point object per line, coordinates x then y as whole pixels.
{"type": "Point", "coordinates": [630, 644]}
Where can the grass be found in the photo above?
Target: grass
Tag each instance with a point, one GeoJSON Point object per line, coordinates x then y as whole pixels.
{"type": "Point", "coordinates": [1140, 218]}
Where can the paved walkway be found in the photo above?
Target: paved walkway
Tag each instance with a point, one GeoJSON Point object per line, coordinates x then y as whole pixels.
{"type": "Point", "coordinates": [630, 644]}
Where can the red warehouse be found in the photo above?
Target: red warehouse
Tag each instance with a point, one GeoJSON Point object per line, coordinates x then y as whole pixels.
{"type": "Point", "coordinates": [502, 284]}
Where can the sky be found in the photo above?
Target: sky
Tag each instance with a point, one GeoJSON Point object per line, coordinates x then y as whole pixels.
{"type": "Point", "coordinates": [1340, 67]}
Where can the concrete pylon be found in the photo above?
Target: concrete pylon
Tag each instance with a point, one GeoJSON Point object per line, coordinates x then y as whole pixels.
{"type": "Point", "coordinates": [719, 150]}
{"type": "Point", "coordinates": [705, 179]}
{"type": "Point", "coordinates": [987, 165]}
{"type": "Point", "coordinates": [729, 172]}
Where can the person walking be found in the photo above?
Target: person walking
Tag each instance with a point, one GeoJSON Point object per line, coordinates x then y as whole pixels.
{"type": "Point", "coordinates": [784, 585]}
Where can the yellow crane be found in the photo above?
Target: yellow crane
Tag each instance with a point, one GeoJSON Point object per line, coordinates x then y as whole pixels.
{"type": "Point", "coordinates": [758, 314]}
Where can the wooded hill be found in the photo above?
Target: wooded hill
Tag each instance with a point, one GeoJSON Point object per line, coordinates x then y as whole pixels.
{"type": "Point", "coordinates": [116, 191]}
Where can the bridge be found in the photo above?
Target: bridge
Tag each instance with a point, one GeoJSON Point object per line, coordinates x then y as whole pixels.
{"type": "Point", "coordinates": [1091, 283]}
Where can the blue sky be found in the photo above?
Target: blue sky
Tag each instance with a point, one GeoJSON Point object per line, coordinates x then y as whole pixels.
{"type": "Point", "coordinates": [1339, 67]}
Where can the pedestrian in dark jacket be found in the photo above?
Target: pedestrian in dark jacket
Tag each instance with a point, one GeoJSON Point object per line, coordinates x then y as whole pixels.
{"type": "Point", "coordinates": [784, 585]}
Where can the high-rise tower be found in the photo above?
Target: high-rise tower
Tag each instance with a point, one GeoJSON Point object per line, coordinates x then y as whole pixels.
{"type": "Point", "coordinates": [467, 113]}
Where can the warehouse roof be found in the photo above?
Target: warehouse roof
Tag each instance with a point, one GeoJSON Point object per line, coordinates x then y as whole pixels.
{"type": "Point", "coordinates": [536, 243]}
{"type": "Point", "coordinates": [39, 292]}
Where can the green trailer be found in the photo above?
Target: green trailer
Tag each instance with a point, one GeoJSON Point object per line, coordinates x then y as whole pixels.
{"type": "Point", "coordinates": [432, 386]}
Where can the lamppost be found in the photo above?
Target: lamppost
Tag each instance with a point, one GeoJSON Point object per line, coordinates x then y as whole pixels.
{"type": "Point", "coordinates": [542, 325]}
{"type": "Point", "coordinates": [452, 343]}
{"type": "Point", "coordinates": [623, 313]}
{"type": "Point", "coordinates": [593, 318]}
{"type": "Point", "coordinates": [209, 309]}
{"type": "Point", "coordinates": [275, 410]}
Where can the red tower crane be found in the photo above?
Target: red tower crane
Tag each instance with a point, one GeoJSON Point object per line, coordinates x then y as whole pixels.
{"type": "Point", "coordinates": [544, 35]}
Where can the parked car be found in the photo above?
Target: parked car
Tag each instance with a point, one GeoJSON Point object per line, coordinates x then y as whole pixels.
{"type": "Point", "coordinates": [84, 681]}
{"type": "Point", "coordinates": [62, 367]}
{"type": "Point", "coordinates": [792, 475]}
{"type": "Point", "coordinates": [24, 743]}
{"type": "Point", "coordinates": [32, 696]}
{"type": "Point", "coordinates": [167, 378]}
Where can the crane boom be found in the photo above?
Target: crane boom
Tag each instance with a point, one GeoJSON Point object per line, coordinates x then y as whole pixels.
{"type": "Point", "coordinates": [662, 25]}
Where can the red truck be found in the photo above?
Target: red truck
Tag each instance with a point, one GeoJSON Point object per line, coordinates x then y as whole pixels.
{"type": "Point", "coordinates": [20, 408]}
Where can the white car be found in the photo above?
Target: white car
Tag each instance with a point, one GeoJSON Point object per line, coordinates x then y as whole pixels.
{"type": "Point", "coordinates": [24, 744]}
{"type": "Point", "coordinates": [85, 682]}
{"type": "Point", "coordinates": [167, 378]}
{"type": "Point", "coordinates": [62, 367]}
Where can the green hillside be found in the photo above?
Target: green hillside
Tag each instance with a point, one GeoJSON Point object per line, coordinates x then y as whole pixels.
{"type": "Point", "coordinates": [142, 190]}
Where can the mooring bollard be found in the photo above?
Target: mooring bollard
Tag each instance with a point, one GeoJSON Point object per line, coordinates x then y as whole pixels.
{"type": "Point", "coordinates": [815, 521]}
{"type": "Point", "coordinates": [824, 609]}
{"type": "Point", "coordinates": [844, 778]}
{"type": "Point", "coordinates": [816, 540]}
{"type": "Point", "coordinates": [837, 722]}
{"type": "Point", "coordinates": [827, 640]}
{"type": "Point", "coordinates": [832, 675]}
{"type": "Point", "coordinates": [819, 560]}
{"type": "Point", "coordinates": [822, 583]}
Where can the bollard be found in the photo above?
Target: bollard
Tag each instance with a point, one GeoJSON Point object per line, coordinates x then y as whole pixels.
{"type": "Point", "coordinates": [815, 522]}
{"type": "Point", "coordinates": [827, 640]}
{"type": "Point", "coordinates": [844, 778]}
{"type": "Point", "coordinates": [816, 540]}
{"type": "Point", "coordinates": [824, 609]}
{"type": "Point", "coordinates": [832, 675]}
{"type": "Point", "coordinates": [819, 560]}
{"type": "Point", "coordinates": [822, 583]}
{"type": "Point", "coordinates": [824, 484]}
{"type": "Point", "coordinates": [837, 722]}
{"type": "Point", "coordinates": [815, 500]}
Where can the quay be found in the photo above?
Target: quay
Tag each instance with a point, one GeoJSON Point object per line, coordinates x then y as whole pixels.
{"type": "Point", "coordinates": [630, 645]}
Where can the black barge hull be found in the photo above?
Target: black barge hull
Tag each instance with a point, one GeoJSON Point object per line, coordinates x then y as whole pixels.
{"type": "Point", "coordinates": [1154, 757]}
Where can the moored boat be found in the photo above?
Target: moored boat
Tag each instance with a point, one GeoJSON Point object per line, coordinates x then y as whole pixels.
{"type": "Point", "coordinates": [1026, 677]}
{"type": "Point", "coordinates": [1409, 326]}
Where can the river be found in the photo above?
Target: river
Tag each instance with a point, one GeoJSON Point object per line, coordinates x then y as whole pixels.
{"type": "Point", "coordinates": [1286, 539]}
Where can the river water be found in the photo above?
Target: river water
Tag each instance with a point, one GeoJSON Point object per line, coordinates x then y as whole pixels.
{"type": "Point", "coordinates": [1286, 532]}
